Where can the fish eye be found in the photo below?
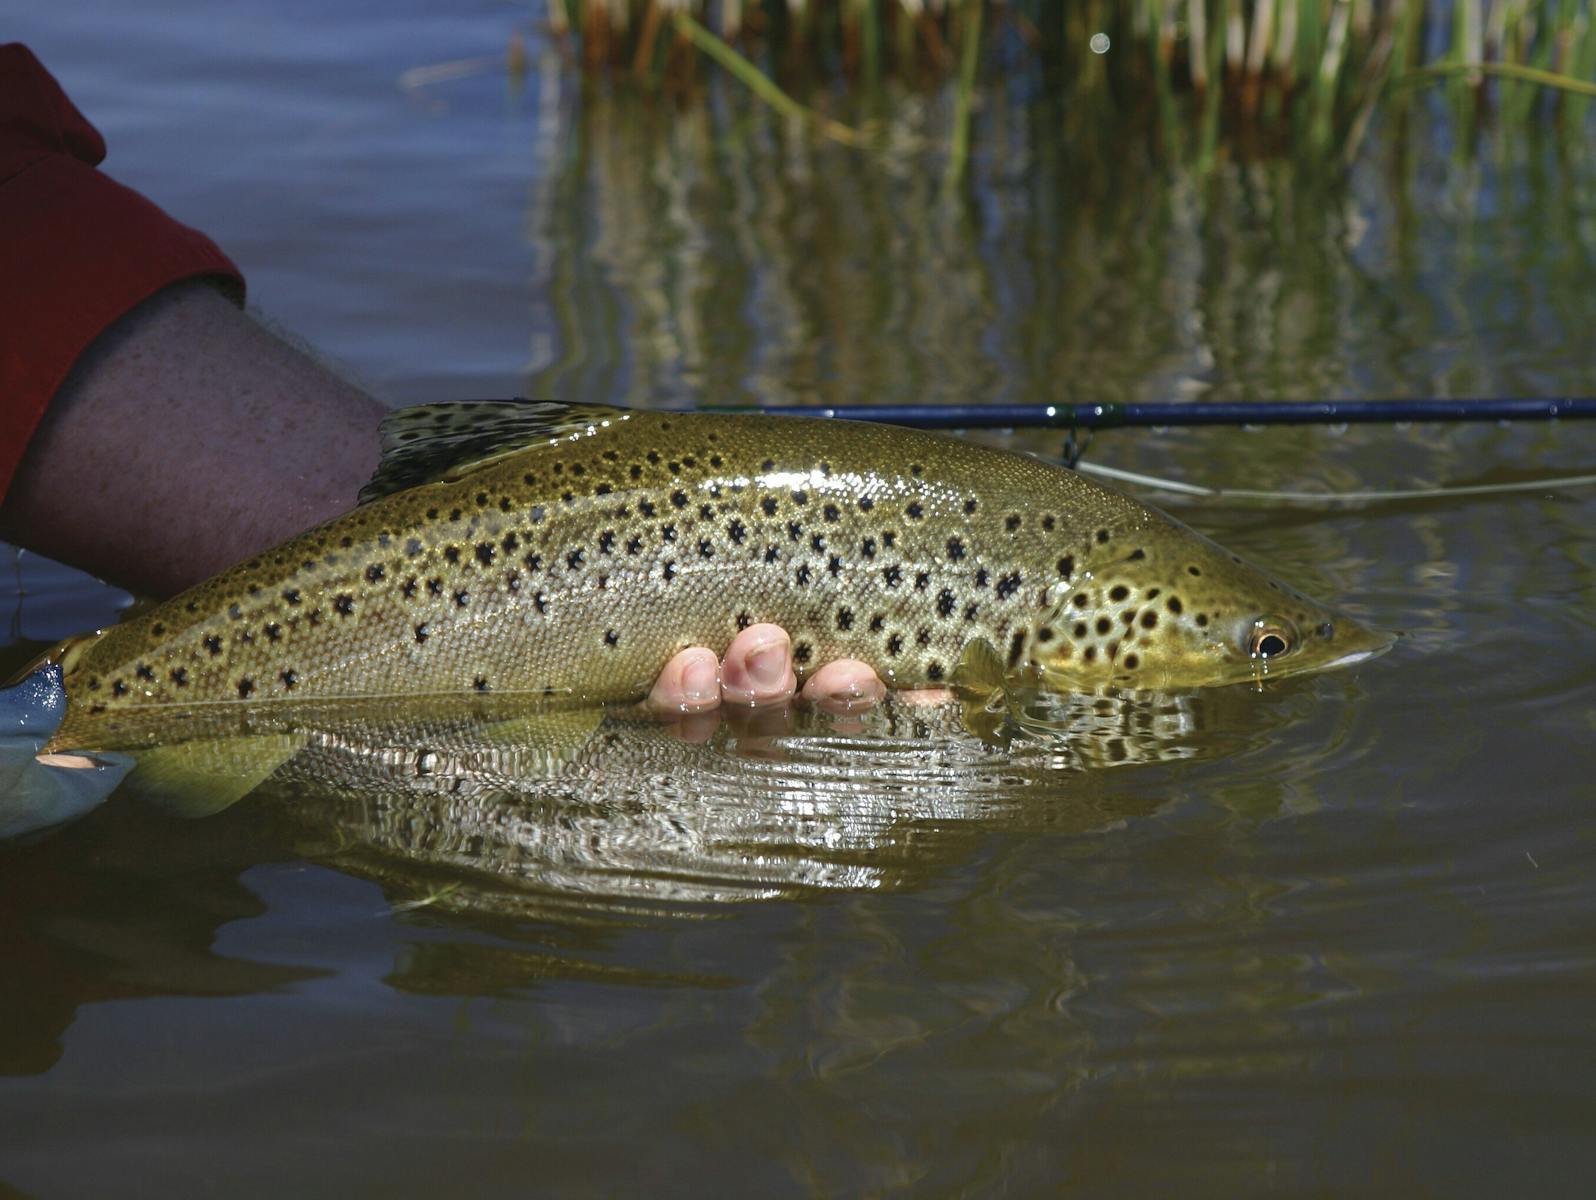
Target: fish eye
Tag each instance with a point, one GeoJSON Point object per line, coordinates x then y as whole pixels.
{"type": "Point", "coordinates": [1269, 641]}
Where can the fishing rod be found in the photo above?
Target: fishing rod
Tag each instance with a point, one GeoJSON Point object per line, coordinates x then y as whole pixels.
{"type": "Point", "coordinates": [1121, 416]}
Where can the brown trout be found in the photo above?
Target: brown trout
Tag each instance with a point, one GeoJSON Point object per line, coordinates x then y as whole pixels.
{"type": "Point", "coordinates": [570, 550]}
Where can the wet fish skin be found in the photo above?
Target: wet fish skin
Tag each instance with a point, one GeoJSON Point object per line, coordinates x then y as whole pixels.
{"type": "Point", "coordinates": [579, 563]}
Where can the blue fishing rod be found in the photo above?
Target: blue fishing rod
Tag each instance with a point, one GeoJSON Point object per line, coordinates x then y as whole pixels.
{"type": "Point", "coordinates": [1121, 416]}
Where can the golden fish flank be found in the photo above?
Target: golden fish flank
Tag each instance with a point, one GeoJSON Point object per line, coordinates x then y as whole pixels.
{"type": "Point", "coordinates": [572, 549]}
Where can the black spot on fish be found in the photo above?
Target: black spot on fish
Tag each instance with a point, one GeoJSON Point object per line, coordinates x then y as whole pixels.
{"type": "Point", "coordinates": [706, 512]}
{"type": "Point", "coordinates": [714, 460]}
{"type": "Point", "coordinates": [1066, 567]}
{"type": "Point", "coordinates": [606, 541]}
{"type": "Point", "coordinates": [916, 470]}
{"type": "Point", "coordinates": [158, 629]}
{"type": "Point", "coordinates": [922, 637]}
{"type": "Point", "coordinates": [768, 465]}
{"type": "Point", "coordinates": [736, 531]}
{"type": "Point", "coordinates": [1202, 620]}
{"type": "Point", "coordinates": [1118, 592]}
{"type": "Point", "coordinates": [1327, 631]}
{"type": "Point", "coordinates": [144, 673]}
{"type": "Point", "coordinates": [462, 598]}
{"type": "Point", "coordinates": [568, 497]}
{"type": "Point", "coordinates": [1091, 654]}
{"type": "Point", "coordinates": [1016, 648]}
{"type": "Point", "coordinates": [679, 499]}
{"type": "Point", "coordinates": [866, 503]}
{"type": "Point", "coordinates": [845, 619]}
{"type": "Point", "coordinates": [981, 577]}
{"type": "Point", "coordinates": [834, 565]}
{"type": "Point", "coordinates": [868, 547]}
{"type": "Point", "coordinates": [817, 542]}
{"type": "Point", "coordinates": [1044, 634]}
{"type": "Point", "coordinates": [955, 549]}
{"type": "Point", "coordinates": [1079, 600]}
{"type": "Point", "coordinates": [423, 632]}
{"type": "Point", "coordinates": [289, 680]}
{"type": "Point", "coordinates": [578, 469]}
{"type": "Point", "coordinates": [769, 505]}
{"type": "Point", "coordinates": [480, 683]}
{"type": "Point", "coordinates": [794, 530]}
{"type": "Point", "coordinates": [646, 507]}
{"type": "Point", "coordinates": [706, 548]}
{"type": "Point", "coordinates": [969, 505]}
{"type": "Point", "coordinates": [1174, 604]}
{"type": "Point", "coordinates": [346, 541]}
{"type": "Point", "coordinates": [1011, 522]}
{"type": "Point", "coordinates": [214, 645]}
{"type": "Point", "coordinates": [1149, 619]}
{"type": "Point", "coordinates": [878, 622]}
{"type": "Point", "coordinates": [1048, 523]}
{"type": "Point", "coordinates": [635, 471]}
{"type": "Point", "coordinates": [1128, 616]}
{"type": "Point", "coordinates": [118, 688]}
{"type": "Point", "coordinates": [452, 553]}
{"type": "Point", "coordinates": [744, 620]}
{"type": "Point", "coordinates": [922, 580]}
{"type": "Point", "coordinates": [802, 652]}
{"type": "Point", "coordinates": [234, 612]}
{"type": "Point", "coordinates": [892, 576]}
{"type": "Point", "coordinates": [800, 497]}
{"type": "Point", "coordinates": [435, 586]}
{"type": "Point", "coordinates": [611, 638]}
{"type": "Point", "coordinates": [633, 545]}
{"type": "Point", "coordinates": [245, 687]}
{"type": "Point", "coordinates": [772, 553]}
{"type": "Point", "coordinates": [246, 636]}
{"type": "Point", "coordinates": [914, 511]}
{"type": "Point", "coordinates": [946, 603]}
{"type": "Point", "coordinates": [409, 588]}
{"type": "Point", "coordinates": [1008, 585]}
{"type": "Point", "coordinates": [485, 552]}
{"type": "Point", "coordinates": [540, 602]}
{"type": "Point", "coordinates": [573, 560]}
{"type": "Point", "coordinates": [894, 646]}
{"type": "Point", "coordinates": [1196, 570]}
{"type": "Point", "coordinates": [887, 538]}
{"type": "Point", "coordinates": [344, 604]}
{"type": "Point", "coordinates": [802, 574]}
{"type": "Point", "coordinates": [1152, 593]}
{"type": "Point", "coordinates": [1137, 554]}
{"type": "Point", "coordinates": [274, 631]}
{"type": "Point", "coordinates": [180, 676]}
{"type": "Point", "coordinates": [1104, 624]}
{"type": "Point", "coordinates": [970, 612]}
{"type": "Point", "coordinates": [670, 569]}
{"type": "Point", "coordinates": [1132, 662]}
{"type": "Point", "coordinates": [831, 512]}
{"type": "Point", "coordinates": [432, 514]}
{"type": "Point", "coordinates": [653, 458]}
{"type": "Point", "coordinates": [1102, 536]}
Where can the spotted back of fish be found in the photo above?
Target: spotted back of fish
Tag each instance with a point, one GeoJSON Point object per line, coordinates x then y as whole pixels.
{"type": "Point", "coordinates": [571, 550]}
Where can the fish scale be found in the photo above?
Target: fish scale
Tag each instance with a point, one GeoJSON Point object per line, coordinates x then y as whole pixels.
{"type": "Point", "coordinates": [571, 550]}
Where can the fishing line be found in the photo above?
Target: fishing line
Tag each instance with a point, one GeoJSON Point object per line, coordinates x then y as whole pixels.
{"type": "Point", "coordinates": [1331, 498]}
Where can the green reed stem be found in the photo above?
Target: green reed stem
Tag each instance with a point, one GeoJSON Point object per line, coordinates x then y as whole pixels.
{"type": "Point", "coordinates": [1417, 76]}
{"type": "Point", "coordinates": [969, 60]}
{"type": "Point", "coordinates": [757, 82]}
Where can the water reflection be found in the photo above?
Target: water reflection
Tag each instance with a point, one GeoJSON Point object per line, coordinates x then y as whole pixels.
{"type": "Point", "coordinates": [496, 806]}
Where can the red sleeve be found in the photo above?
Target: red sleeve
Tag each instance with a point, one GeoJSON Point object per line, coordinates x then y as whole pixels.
{"type": "Point", "coordinates": [77, 249]}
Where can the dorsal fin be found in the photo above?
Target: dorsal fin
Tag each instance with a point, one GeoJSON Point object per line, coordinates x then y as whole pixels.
{"type": "Point", "coordinates": [446, 441]}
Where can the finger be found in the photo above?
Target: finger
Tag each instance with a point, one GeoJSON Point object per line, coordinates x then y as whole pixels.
{"type": "Point", "coordinates": [758, 667]}
{"type": "Point", "coordinates": [846, 685]}
{"type": "Point", "coordinates": [689, 683]}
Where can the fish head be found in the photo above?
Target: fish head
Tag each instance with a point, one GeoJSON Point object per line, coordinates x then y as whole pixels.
{"type": "Point", "coordinates": [1179, 611]}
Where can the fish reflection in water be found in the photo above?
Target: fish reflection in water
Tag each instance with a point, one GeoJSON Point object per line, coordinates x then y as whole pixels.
{"type": "Point", "coordinates": [479, 804]}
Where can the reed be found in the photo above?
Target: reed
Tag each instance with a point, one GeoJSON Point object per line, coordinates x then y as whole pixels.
{"type": "Point", "coordinates": [1243, 75]}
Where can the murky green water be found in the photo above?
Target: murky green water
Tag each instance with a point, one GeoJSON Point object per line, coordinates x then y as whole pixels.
{"type": "Point", "coordinates": [1333, 938]}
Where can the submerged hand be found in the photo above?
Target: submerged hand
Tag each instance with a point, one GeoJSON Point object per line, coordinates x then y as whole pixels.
{"type": "Point", "coordinates": [758, 671]}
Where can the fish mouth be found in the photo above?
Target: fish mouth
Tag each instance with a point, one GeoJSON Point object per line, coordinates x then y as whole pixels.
{"type": "Point", "coordinates": [1373, 643]}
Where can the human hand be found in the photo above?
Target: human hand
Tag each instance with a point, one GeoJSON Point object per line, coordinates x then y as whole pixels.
{"type": "Point", "coordinates": [757, 672]}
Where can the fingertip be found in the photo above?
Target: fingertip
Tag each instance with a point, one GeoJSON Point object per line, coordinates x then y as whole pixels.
{"type": "Point", "coordinates": [846, 685]}
{"type": "Point", "coordinates": [758, 667]}
{"type": "Point", "coordinates": [689, 683]}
